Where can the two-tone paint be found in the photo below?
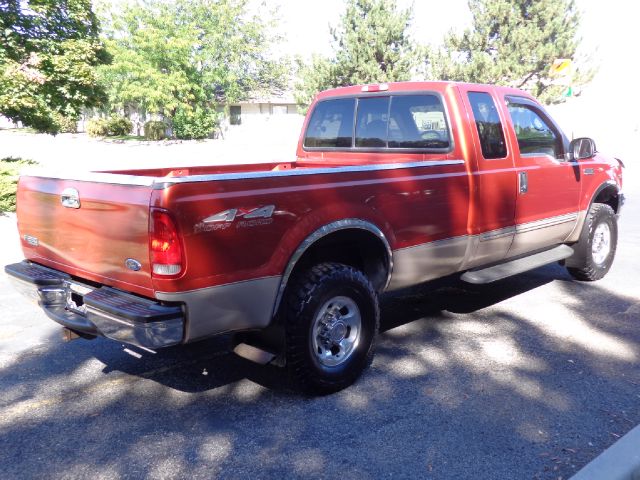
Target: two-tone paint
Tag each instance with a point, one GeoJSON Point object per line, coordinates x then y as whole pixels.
{"type": "Point", "coordinates": [429, 213]}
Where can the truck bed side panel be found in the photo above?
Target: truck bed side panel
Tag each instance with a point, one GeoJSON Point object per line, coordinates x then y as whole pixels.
{"type": "Point", "coordinates": [414, 206]}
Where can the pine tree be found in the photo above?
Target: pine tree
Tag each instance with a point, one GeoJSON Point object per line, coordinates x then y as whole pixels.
{"type": "Point", "coordinates": [513, 43]}
{"type": "Point", "coordinates": [370, 45]}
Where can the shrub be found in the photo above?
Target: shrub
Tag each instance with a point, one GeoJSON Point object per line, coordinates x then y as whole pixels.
{"type": "Point", "coordinates": [9, 171]}
{"type": "Point", "coordinates": [98, 127]}
{"type": "Point", "coordinates": [194, 124]}
{"type": "Point", "coordinates": [155, 130]}
{"type": "Point", "coordinates": [118, 126]}
{"type": "Point", "coordinates": [67, 124]}
{"type": "Point", "coordinates": [109, 127]}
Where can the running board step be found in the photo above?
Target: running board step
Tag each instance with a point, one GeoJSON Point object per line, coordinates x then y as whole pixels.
{"type": "Point", "coordinates": [513, 267]}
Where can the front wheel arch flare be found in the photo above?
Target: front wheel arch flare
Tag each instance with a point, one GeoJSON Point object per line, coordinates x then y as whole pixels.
{"type": "Point", "coordinates": [607, 193]}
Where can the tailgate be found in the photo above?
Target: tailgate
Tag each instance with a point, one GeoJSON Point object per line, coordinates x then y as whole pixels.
{"type": "Point", "coordinates": [94, 240]}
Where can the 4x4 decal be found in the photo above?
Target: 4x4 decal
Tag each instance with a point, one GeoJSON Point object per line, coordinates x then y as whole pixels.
{"type": "Point", "coordinates": [247, 217]}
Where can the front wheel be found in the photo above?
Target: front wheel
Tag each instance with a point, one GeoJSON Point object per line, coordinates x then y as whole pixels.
{"type": "Point", "coordinates": [331, 320]}
{"type": "Point", "coordinates": [596, 249]}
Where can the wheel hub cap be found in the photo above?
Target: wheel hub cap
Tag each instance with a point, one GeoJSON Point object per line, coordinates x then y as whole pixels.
{"type": "Point", "coordinates": [335, 333]}
{"type": "Point", "coordinates": [601, 244]}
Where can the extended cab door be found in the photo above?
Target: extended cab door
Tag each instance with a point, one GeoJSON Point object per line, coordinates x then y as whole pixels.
{"type": "Point", "coordinates": [548, 184]}
{"type": "Point", "coordinates": [493, 201]}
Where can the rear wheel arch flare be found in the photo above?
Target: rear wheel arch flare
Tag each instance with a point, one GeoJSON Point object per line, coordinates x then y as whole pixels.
{"type": "Point", "coordinates": [353, 241]}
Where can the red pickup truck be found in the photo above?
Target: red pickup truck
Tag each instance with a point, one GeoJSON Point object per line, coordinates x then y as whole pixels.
{"type": "Point", "coordinates": [393, 185]}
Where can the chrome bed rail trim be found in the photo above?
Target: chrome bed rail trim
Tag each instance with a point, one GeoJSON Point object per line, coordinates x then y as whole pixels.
{"type": "Point", "coordinates": [99, 177]}
{"type": "Point", "coordinates": [165, 182]}
{"type": "Point", "coordinates": [159, 183]}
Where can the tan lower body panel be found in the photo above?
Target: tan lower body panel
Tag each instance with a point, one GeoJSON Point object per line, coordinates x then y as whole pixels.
{"type": "Point", "coordinates": [425, 262]}
{"type": "Point", "coordinates": [543, 233]}
{"type": "Point", "coordinates": [225, 308]}
{"type": "Point", "coordinates": [433, 260]}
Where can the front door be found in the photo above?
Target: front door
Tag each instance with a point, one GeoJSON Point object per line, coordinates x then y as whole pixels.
{"type": "Point", "coordinates": [548, 184]}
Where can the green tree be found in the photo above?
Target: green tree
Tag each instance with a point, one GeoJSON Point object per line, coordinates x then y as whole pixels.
{"type": "Point", "coordinates": [513, 43]}
{"type": "Point", "coordinates": [371, 44]}
{"type": "Point", "coordinates": [48, 51]}
{"type": "Point", "coordinates": [188, 56]}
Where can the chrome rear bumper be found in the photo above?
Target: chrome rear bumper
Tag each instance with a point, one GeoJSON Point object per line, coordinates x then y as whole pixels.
{"type": "Point", "coordinates": [99, 311]}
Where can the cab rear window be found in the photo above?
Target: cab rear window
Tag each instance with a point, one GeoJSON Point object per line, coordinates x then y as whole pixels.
{"type": "Point", "coordinates": [418, 121]}
{"type": "Point", "coordinates": [331, 124]}
{"type": "Point", "coordinates": [410, 122]}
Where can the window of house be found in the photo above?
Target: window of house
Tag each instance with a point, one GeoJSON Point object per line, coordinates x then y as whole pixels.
{"type": "Point", "coordinates": [488, 125]}
{"type": "Point", "coordinates": [235, 115]}
{"type": "Point", "coordinates": [331, 124]}
{"type": "Point", "coordinates": [535, 135]}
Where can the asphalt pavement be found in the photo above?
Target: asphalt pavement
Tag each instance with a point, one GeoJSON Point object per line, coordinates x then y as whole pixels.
{"type": "Point", "coordinates": [529, 378]}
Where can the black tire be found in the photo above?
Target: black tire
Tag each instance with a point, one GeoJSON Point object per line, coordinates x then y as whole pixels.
{"type": "Point", "coordinates": [584, 264]}
{"type": "Point", "coordinates": [306, 307]}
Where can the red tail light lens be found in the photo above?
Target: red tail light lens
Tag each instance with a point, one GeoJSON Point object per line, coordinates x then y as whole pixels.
{"type": "Point", "coordinates": [164, 244]}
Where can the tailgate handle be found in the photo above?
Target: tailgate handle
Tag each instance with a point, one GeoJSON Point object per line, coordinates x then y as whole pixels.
{"type": "Point", "coordinates": [70, 198]}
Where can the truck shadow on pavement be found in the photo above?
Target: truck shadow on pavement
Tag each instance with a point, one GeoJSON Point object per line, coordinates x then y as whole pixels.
{"type": "Point", "coordinates": [462, 373]}
{"type": "Point", "coordinates": [210, 364]}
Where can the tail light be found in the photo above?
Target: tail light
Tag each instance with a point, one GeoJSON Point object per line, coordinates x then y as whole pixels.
{"type": "Point", "coordinates": [164, 244]}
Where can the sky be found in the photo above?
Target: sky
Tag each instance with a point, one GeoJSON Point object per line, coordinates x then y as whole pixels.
{"type": "Point", "coordinates": [305, 23]}
{"type": "Point", "coordinates": [606, 25]}
{"type": "Point", "coordinates": [609, 30]}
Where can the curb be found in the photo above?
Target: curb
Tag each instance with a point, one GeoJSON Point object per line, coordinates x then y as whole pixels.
{"type": "Point", "coordinates": [621, 461]}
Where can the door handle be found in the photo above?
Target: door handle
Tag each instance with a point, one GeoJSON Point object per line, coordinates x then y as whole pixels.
{"type": "Point", "coordinates": [523, 182]}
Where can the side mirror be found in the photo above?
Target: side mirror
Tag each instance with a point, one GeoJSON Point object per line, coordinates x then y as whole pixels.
{"type": "Point", "coordinates": [582, 148]}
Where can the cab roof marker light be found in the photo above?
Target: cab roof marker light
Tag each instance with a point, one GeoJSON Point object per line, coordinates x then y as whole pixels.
{"type": "Point", "coordinates": [376, 87]}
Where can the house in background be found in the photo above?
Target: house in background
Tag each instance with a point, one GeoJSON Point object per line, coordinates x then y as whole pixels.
{"type": "Point", "coordinates": [272, 122]}
{"type": "Point", "coordinates": [259, 110]}
{"type": "Point", "coordinates": [273, 119]}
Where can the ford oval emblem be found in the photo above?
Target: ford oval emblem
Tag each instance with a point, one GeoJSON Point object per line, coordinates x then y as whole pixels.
{"type": "Point", "coordinates": [132, 264]}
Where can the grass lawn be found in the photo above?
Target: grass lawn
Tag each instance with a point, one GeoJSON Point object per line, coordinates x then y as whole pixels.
{"type": "Point", "coordinates": [126, 138]}
{"type": "Point", "coordinates": [9, 170]}
{"type": "Point", "coordinates": [19, 130]}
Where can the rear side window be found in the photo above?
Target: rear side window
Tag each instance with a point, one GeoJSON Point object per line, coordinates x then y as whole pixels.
{"type": "Point", "coordinates": [331, 124]}
{"type": "Point", "coordinates": [488, 125]}
{"type": "Point", "coordinates": [535, 135]}
{"type": "Point", "coordinates": [418, 121]}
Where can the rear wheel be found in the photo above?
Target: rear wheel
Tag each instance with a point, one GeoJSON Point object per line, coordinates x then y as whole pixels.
{"type": "Point", "coordinates": [596, 249]}
{"type": "Point", "coordinates": [331, 320]}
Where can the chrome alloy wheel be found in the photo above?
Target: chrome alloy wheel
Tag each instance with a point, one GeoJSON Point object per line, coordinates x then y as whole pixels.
{"type": "Point", "coordinates": [601, 244]}
{"type": "Point", "coordinates": [335, 333]}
